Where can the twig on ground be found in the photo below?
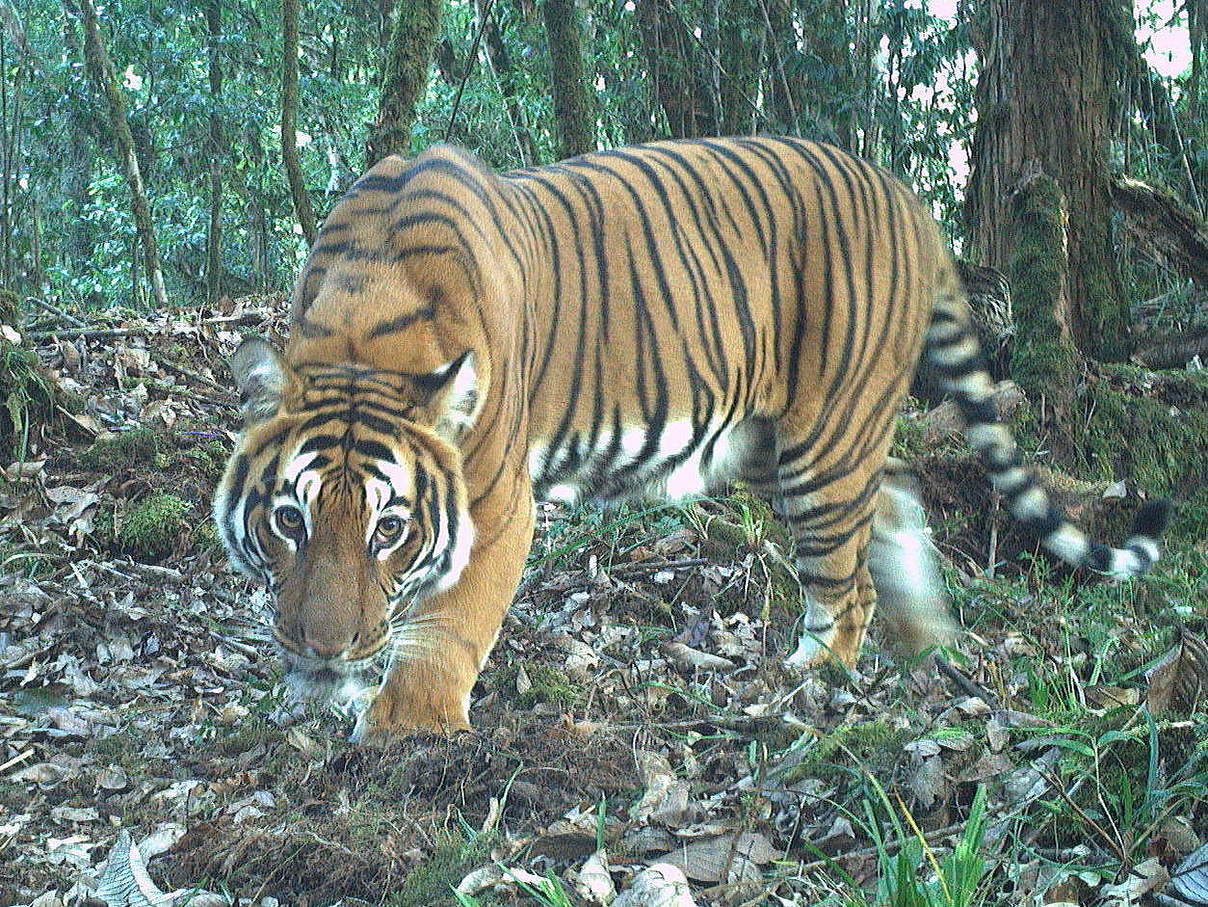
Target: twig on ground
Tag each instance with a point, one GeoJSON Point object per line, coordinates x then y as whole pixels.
{"type": "Point", "coordinates": [57, 312]}
{"type": "Point", "coordinates": [967, 685]}
{"type": "Point", "coordinates": [190, 374]}
{"type": "Point", "coordinates": [90, 333]}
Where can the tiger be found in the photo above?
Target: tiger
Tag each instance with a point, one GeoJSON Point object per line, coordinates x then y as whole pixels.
{"type": "Point", "coordinates": [657, 320]}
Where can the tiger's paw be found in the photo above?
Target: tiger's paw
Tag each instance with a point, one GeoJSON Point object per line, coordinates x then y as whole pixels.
{"type": "Point", "coordinates": [403, 707]}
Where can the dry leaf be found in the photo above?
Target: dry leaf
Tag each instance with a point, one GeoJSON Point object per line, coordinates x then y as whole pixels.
{"type": "Point", "coordinates": [1180, 679]}
{"type": "Point", "coordinates": [659, 886]}
{"type": "Point", "coordinates": [689, 658]}
{"type": "Point", "coordinates": [736, 857]}
{"type": "Point", "coordinates": [125, 882]}
{"type": "Point", "coordinates": [593, 881]}
{"type": "Point", "coordinates": [502, 878]}
{"type": "Point", "coordinates": [1190, 879]}
{"type": "Point", "coordinates": [1142, 879]}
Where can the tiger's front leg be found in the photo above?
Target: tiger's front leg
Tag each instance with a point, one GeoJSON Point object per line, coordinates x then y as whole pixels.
{"type": "Point", "coordinates": [443, 647]}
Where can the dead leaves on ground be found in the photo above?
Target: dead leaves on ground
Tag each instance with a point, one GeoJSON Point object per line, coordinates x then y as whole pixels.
{"type": "Point", "coordinates": [637, 735]}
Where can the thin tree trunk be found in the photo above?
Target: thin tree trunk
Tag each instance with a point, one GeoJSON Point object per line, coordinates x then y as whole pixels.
{"type": "Point", "coordinates": [94, 49]}
{"type": "Point", "coordinates": [289, 120]}
{"type": "Point", "coordinates": [677, 70]}
{"type": "Point", "coordinates": [75, 180]}
{"type": "Point", "coordinates": [501, 63]}
{"type": "Point", "coordinates": [214, 234]}
{"type": "Point", "coordinates": [573, 107]}
{"type": "Point", "coordinates": [405, 68]}
{"type": "Point", "coordinates": [738, 60]}
{"type": "Point", "coordinates": [1045, 99]}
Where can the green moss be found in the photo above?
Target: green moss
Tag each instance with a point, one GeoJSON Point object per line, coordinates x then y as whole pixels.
{"type": "Point", "coordinates": [1102, 307]}
{"type": "Point", "coordinates": [140, 447]}
{"type": "Point", "coordinates": [550, 684]}
{"type": "Point", "coordinates": [431, 883]}
{"type": "Point", "coordinates": [151, 528]}
{"type": "Point", "coordinates": [1151, 443]}
{"type": "Point", "coordinates": [210, 458]}
{"type": "Point", "coordinates": [1042, 360]}
{"type": "Point", "coordinates": [10, 307]}
{"type": "Point", "coordinates": [875, 745]}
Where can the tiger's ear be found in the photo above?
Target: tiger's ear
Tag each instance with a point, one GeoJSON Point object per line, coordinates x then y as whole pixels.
{"type": "Point", "coordinates": [261, 375]}
{"type": "Point", "coordinates": [453, 403]}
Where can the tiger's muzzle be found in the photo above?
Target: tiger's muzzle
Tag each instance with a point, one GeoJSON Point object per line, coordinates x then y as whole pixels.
{"type": "Point", "coordinates": [338, 678]}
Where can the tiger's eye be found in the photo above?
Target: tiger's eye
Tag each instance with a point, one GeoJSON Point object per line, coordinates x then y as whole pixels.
{"type": "Point", "coordinates": [388, 530]}
{"type": "Point", "coordinates": [290, 520]}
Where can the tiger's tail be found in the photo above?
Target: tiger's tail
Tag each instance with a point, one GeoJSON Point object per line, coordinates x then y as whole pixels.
{"type": "Point", "coordinates": [953, 353]}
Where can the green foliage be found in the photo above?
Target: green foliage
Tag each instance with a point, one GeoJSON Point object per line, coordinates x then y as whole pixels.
{"type": "Point", "coordinates": [28, 397]}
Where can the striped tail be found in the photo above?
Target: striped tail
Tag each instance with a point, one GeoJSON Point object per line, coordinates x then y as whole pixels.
{"type": "Point", "coordinates": [952, 351]}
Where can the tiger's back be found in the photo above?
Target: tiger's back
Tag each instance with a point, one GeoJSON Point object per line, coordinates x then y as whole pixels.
{"type": "Point", "coordinates": [708, 285]}
{"type": "Point", "coordinates": [658, 320]}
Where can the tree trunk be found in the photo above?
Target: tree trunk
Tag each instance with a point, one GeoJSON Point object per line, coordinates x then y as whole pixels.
{"type": "Point", "coordinates": [1044, 98]}
{"type": "Point", "coordinates": [75, 180]}
{"type": "Point", "coordinates": [677, 70]}
{"type": "Point", "coordinates": [289, 120]}
{"type": "Point", "coordinates": [573, 107]}
{"type": "Point", "coordinates": [1043, 360]}
{"type": "Point", "coordinates": [408, 59]}
{"type": "Point", "coordinates": [214, 233]}
{"type": "Point", "coordinates": [739, 54]}
{"type": "Point", "coordinates": [94, 49]}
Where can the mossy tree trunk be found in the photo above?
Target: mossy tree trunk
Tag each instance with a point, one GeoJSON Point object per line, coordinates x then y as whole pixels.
{"type": "Point", "coordinates": [289, 120]}
{"type": "Point", "coordinates": [678, 70]}
{"type": "Point", "coordinates": [405, 70]}
{"type": "Point", "coordinates": [1045, 95]}
{"type": "Point", "coordinates": [214, 232]}
{"type": "Point", "coordinates": [102, 67]}
{"type": "Point", "coordinates": [1043, 359]}
{"type": "Point", "coordinates": [574, 109]}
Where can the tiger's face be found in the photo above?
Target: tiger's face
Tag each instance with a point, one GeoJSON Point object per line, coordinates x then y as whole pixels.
{"type": "Point", "coordinates": [345, 496]}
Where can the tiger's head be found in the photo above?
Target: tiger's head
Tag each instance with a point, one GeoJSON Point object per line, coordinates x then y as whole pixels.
{"type": "Point", "coordinates": [345, 496]}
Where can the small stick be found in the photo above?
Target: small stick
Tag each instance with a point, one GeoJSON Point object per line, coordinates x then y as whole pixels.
{"type": "Point", "coordinates": [967, 685]}
{"type": "Point", "coordinates": [993, 556]}
{"type": "Point", "coordinates": [190, 374]}
{"type": "Point", "coordinates": [89, 333]}
{"type": "Point", "coordinates": [58, 313]}
{"type": "Point", "coordinates": [21, 757]}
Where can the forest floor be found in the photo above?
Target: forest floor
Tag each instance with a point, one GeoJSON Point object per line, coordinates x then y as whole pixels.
{"type": "Point", "coordinates": [635, 711]}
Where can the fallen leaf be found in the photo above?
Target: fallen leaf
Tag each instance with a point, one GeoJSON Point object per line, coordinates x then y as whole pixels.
{"type": "Point", "coordinates": [689, 658]}
{"type": "Point", "coordinates": [1180, 679]}
{"type": "Point", "coordinates": [734, 857]}
{"type": "Point", "coordinates": [593, 881]}
{"type": "Point", "coordinates": [1143, 878]}
{"type": "Point", "coordinates": [661, 885]}
{"type": "Point", "coordinates": [1190, 879]}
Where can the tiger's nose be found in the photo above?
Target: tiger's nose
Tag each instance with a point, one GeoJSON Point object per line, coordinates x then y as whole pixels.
{"type": "Point", "coordinates": [320, 647]}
